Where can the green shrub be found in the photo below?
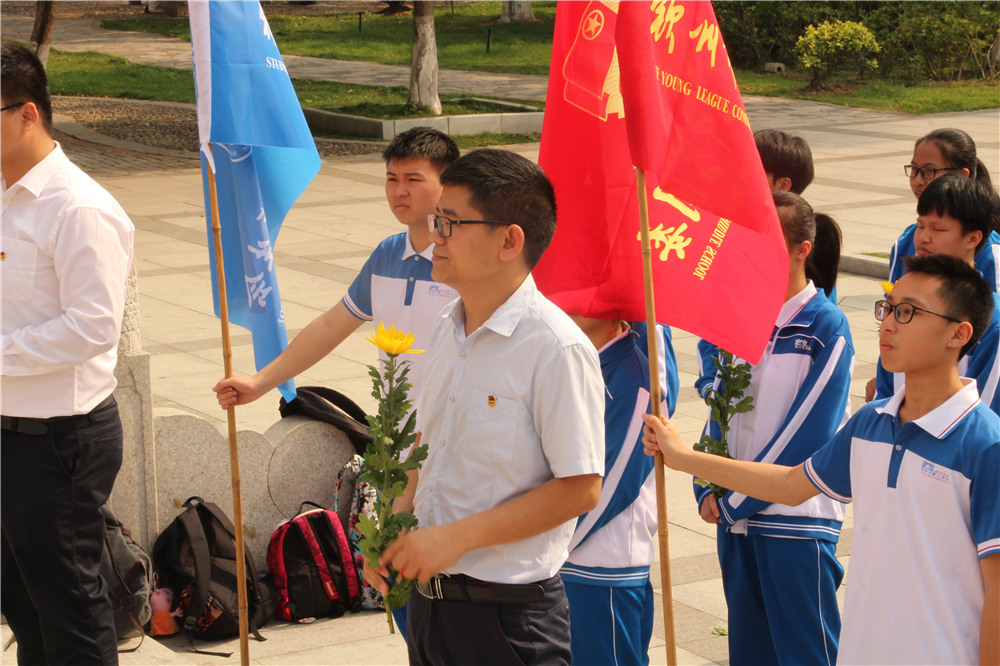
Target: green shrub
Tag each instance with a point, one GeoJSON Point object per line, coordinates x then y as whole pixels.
{"type": "Point", "coordinates": [829, 47]}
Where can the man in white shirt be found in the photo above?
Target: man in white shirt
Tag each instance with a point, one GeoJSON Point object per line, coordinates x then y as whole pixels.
{"type": "Point", "coordinates": [513, 414]}
{"type": "Point", "coordinates": [65, 257]}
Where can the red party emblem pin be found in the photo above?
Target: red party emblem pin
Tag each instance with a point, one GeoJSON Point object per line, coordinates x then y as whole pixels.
{"type": "Point", "coordinates": [491, 401]}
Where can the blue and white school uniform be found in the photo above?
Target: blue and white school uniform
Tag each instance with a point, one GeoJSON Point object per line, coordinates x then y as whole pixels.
{"type": "Point", "coordinates": [926, 511]}
{"type": "Point", "coordinates": [779, 568]}
{"type": "Point", "coordinates": [395, 288]}
{"type": "Point", "coordinates": [607, 573]}
{"type": "Point", "coordinates": [987, 259]}
{"type": "Point", "coordinates": [981, 363]}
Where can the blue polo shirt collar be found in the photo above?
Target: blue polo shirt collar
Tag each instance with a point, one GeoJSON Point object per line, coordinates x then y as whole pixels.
{"type": "Point", "coordinates": [941, 421]}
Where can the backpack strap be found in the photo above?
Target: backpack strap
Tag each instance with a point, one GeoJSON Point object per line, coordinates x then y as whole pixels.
{"type": "Point", "coordinates": [191, 523]}
{"type": "Point", "coordinates": [227, 525]}
{"type": "Point", "coordinates": [121, 594]}
{"type": "Point", "coordinates": [329, 586]}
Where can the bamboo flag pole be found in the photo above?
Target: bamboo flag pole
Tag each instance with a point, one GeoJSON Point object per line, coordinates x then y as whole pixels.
{"type": "Point", "coordinates": [655, 399]}
{"type": "Point", "coordinates": [234, 455]}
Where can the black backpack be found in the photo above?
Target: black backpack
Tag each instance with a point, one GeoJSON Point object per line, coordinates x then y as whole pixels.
{"type": "Point", "coordinates": [325, 404]}
{"type": "Point", "coordinates": [195, 556]}
{"type": "Point", "coordinates": [128, 572]}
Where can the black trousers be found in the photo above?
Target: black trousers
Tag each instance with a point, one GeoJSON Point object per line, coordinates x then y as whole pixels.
{"type": "Point", "coordinates": [467, 632]}
{"type": "Point", "coordinates": [51, 490]}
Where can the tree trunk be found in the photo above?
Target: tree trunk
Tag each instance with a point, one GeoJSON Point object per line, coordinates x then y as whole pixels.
{"type": "Point", "coordinates": [423, 59]}
{"type": "Point", "coordinates": [41, 34]}
{"type": "Point", "coordinates": [516, 11]}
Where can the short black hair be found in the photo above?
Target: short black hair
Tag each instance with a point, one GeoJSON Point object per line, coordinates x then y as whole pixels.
{"type": "Point", "coordinates": [785, 155]}
{"type": "Point", "coordinates": [963, 289]}
{"type": "Point", "coordinates": [974, 203]}
{"type": "Point", "coordinates": [508, 187]}
{"type": "Point", "coordinates": [22, 79]}
{"type": "Point", "coordinates": [425, 142]}
{"type": "Point", "coordinates": [958, 148]}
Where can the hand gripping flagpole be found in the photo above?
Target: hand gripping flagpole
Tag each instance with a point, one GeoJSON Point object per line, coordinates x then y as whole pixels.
{"type": "Point", "coordinates": [234, 455]}
{"type": "Point", "coordinates": [654, 397]}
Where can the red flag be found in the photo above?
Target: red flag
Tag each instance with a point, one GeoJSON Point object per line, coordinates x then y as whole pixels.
{"type": "Point", "coordinates": [649, 84]}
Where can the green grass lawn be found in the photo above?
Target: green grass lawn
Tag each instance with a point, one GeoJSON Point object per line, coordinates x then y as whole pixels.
{"type": "Point", "coordinates": [99, 75]}
{"type": "Point", "coordinates": [461, 32]}
{"type": "Point", "coordinates": [880, 94]}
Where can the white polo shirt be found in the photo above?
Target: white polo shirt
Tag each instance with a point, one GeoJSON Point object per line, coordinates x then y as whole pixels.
{"type": "Point", "coordinates": [927, 509]}
{"type": "Point", "coordinates": [516, 403]}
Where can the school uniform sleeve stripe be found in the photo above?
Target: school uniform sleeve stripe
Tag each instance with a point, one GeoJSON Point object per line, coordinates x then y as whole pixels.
{"type": "Point", "coordinates": [354, 309]}
{"type": "Point", "coordinates": [991, 547]}
{"type": "Point", "coordinates": [818, 411]}
{"type": "Point", "coordinates": [612, 487]}
{"type": "Point", "coordinates": [815, 479]}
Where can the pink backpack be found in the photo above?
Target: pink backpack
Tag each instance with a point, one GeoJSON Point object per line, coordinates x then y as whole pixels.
{"type": "Point", "coordinates": [310, 560]}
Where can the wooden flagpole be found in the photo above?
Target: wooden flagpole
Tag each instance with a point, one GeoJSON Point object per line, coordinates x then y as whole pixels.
{"type": "Point", "coordinates": [655, 399]}
{"type": "Point", "coordinates": [234, 455]}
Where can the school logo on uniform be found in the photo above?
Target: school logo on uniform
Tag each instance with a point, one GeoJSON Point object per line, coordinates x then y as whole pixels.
{"type": "Point", "coordinates": [927, 468]}
{"type": "Point", "coordinates": [802, 344]}
{"type": "Point", "coordinates": [438, 290]}
{"type": "Point", "coordinates": [491, 401]}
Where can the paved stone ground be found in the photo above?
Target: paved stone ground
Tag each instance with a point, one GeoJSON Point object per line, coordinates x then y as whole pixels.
{"type": "Point", "coordinates": [340, 219]}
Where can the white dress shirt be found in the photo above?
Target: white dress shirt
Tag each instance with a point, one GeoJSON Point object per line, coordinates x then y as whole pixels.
{"type": "Point", "coordinates": [516, 403]}
{"type": "Point", "coordinates": [66, 252]}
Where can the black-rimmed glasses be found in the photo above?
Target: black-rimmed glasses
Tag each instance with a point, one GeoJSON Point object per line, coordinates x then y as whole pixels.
{"type": "Point", "coordinates": [927, 173]}
{"type": "Point", "coordinates": [904, 312]}
{"type": "Point", "coordinates": [443, 225]}
{"type": "Point", "coordinates": [12, 106]}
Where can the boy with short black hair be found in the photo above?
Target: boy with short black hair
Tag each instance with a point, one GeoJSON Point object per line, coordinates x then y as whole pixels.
{"type": "Point", "coordinates": [922, 467]}
{"type": "Point", "coordinates": [395, 284]}
{"type": "Point", "coordinates": [513, 419]}
{"type": "Point", "coordinates": [955, 217]}
{"type": "Point", "coordinates": [787, 160]}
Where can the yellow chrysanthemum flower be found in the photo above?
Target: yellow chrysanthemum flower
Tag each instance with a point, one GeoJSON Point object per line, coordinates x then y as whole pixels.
{"type": "Point", "coordinates": [393, 342]}
{"type": "Point", "coordinates": [886, 286]}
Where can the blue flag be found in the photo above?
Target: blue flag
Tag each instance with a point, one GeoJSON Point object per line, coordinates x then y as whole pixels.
{"type": "Point", "coordinates": [263, 155]}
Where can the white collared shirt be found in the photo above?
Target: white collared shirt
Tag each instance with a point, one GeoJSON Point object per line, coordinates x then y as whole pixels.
{"type": "Point", "coordinates": [67, 248]}
{"type": "Point", "coordinates": [516, 403]}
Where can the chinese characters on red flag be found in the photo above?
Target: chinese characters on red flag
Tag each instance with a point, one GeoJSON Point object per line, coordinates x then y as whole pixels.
{"type": "Point", "coordinates": [649, 84]}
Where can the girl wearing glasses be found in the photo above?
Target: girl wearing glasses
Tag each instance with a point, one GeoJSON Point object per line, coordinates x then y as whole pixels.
{"type": "Point", "coordinates": [946, 151]}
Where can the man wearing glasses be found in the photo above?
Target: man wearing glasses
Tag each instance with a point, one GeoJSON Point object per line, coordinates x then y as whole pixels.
{"type": "Point", "coordinates": [67, 248]}
{"type": "Point", "coordinates": [924, 582]}
{"type": "Point", "coordinates": [512, 413]}
{"type": "Point", "coordinates": [955, 218]}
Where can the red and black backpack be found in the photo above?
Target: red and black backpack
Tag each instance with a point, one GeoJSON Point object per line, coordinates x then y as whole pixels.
{"type": "Point", "coordinates": [310, 560]}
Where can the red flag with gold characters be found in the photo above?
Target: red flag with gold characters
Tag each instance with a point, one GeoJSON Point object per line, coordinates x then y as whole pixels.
{"type": "Point", "coordinates": [649, 85]}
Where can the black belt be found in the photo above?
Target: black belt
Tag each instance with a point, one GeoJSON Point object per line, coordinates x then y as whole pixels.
{"type": "Point", "coordinates": [38, 427]}
{"type": "Point", "coordinates": [463, 588]}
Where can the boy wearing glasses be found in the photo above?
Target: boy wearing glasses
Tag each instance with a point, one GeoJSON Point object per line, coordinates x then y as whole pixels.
{"type": "Point", "coordinates": [513, 418]}
{"type": "Point", "coordinates": [924, 580]}
{"type": "Point", "coordinates": [956, 216]}
{"type": "Point", "coordinates": [395, 284]}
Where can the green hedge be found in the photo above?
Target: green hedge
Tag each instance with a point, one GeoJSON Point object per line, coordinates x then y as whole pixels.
{"type": "Point", "coordinates": [945, 41]}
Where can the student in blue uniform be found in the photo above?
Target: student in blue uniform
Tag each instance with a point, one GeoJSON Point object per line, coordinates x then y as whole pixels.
{"type": "Point", "coordinates": [956, 216]}
{"type": "Point", "coordinates": [946, 151]}
{"type": "Point", "coordinates": [394, 286]}
{"type": "Point", "coordinates": [922, 470]}
{"type": "Point", "coordinates": [607, 573]}
{"type": "Point", "coordinates": [779, 569]}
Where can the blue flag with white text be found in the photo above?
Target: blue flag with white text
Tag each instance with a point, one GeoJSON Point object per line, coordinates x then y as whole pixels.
{"type": "Point", "coordinates": [263, 155]}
